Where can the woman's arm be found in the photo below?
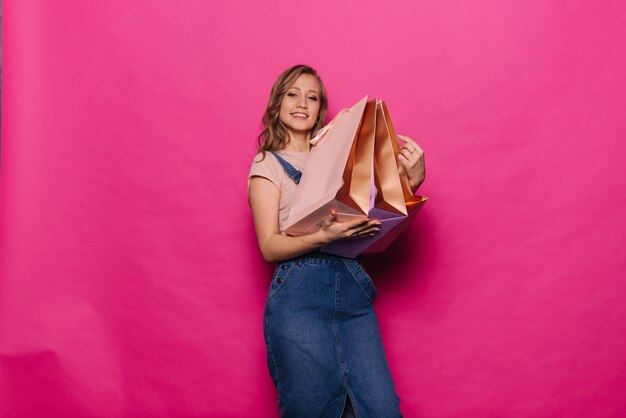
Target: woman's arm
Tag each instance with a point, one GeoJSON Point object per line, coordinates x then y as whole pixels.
{"type": "Point", "coordinates": [264, 202]}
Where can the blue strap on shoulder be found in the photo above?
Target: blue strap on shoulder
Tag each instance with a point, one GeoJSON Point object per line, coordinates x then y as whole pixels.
{"type": "Point", "coordinates": [291, 171]}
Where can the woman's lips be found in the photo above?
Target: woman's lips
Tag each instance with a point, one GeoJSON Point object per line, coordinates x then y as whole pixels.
{"type": "Point", "coordinates": [299, 116]}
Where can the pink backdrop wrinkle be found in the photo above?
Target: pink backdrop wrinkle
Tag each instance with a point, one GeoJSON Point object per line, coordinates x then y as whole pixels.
{"type": "Point", "coordinates": [131, 282]}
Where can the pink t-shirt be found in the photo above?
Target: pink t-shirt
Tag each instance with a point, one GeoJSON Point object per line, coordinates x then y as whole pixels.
{"type": "Point", "coordinates": [271, 169]}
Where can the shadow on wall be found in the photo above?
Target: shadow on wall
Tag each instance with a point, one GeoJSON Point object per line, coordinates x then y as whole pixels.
{"type": "Point", "coordinates": [389, 268]}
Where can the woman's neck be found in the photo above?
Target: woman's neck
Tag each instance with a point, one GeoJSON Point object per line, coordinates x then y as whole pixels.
{"type": "Point", "coordinates": [299, 142]}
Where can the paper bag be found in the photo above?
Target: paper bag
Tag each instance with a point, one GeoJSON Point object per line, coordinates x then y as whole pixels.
{"type": "Point", "coordinates": [338, 173]}
{"type": "Point", "coordinates": [394, 204]}
{"type": "Point", "coordinates": [353, 169]}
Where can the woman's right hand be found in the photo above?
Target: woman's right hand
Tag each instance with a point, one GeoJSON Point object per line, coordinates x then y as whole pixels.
{"type": "Point", "coordinates": [332, 230]}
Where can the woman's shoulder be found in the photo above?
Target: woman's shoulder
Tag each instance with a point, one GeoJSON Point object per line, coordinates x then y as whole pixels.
{"type": "Point", "coordinates": [265, 165]}
{"type": "Point", "coordinates": [264, 159]}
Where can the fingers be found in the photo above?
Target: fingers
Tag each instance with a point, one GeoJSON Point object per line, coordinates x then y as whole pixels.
{"type": "Point", "coordinates": [408, 139]}
{"type": "Point", "coordinates": [357, 223]}
{"type": "Point", "coordinates": [411, 146]}
{"type": "Point", "coordinates": [370, 230]}
{"type": "Point", "coordinates": [365, 233]}
{"type": "Point", "coordinates": [329, 219]}
{"type": "Point", "coordinates": [408, 160]}
{"type": "Point", "coordinates": [366, 229]}
{"type": "Point", "coordinates": [332, 217]}
{"type": "Point", "coordinates": [405, 162]}
{"type": "Point", "coordinates": [413, 149]}
{"type": "Point", "coordinates": [352, 228]}
{"type": "Point", "coordinates": [356, 228]}
{"type": "Point", "coordinates": [414, 169]}
{"type": "Point", "coordinates": [408, 155]}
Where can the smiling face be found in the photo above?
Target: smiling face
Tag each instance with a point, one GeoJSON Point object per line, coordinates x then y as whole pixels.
{"type": "Point", "coordinates": [300, 106]}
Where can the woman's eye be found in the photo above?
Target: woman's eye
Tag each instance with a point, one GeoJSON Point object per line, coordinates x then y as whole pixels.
{"type": "Point", "coordinates": [313, 98]}
{"type": "Point", "coordinates": [291, 94]}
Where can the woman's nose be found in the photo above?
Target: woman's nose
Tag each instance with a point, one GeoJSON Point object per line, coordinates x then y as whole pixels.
{"type": "Point", "coordinates": [302, 102]}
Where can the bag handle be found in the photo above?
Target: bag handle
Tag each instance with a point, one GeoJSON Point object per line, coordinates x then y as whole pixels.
{"type": "Point", "coordinates": [321, 134]}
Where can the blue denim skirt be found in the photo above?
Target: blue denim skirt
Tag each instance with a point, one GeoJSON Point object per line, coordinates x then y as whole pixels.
{"type": "Point", "coordinates": [324, 348]}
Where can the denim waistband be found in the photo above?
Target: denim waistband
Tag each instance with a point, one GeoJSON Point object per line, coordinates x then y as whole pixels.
{"type": "Point", "coordinates": [317, 256]}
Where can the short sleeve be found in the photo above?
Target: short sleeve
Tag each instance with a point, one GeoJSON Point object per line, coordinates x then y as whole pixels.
{"type": "Point", "coordinates": [268, 168]}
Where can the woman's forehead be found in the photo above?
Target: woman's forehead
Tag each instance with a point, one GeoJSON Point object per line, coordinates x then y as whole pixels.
{"type": "Point", "coordinates": [307, 82]}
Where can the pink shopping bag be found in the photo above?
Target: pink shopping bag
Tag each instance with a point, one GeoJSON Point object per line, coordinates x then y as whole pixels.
{"type": "Point", "coordinates": [338, 173]}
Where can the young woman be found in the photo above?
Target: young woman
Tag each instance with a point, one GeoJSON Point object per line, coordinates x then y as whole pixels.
{"type": "Point", "coordinates": [324, 351]}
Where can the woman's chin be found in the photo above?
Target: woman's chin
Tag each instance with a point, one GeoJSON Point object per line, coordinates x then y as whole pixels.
{"type": "Point", "coordinates": [300, 129]}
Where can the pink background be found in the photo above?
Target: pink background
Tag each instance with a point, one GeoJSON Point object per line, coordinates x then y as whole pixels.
{"type": "Point", "coordinates": [131, 282]}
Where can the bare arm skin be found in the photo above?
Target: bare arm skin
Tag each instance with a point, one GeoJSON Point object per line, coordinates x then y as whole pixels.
{"type": "Point", "coordinates": [264, 202]}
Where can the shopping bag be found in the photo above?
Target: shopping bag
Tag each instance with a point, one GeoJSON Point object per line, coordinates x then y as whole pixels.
{"type": "Point", "coordinates": [394, 205]}
{"type": "Point", "coordinates": [339, 172]}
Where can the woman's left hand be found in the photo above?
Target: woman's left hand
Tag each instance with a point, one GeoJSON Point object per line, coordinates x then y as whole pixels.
{"type": "Point", "coordinates": [412, 158]}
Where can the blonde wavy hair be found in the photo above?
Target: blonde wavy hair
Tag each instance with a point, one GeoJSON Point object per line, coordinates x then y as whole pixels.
{"type": "Point", "coordinates": [274, 136]}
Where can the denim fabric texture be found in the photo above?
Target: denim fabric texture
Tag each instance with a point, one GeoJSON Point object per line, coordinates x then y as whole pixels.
{"type": "Point", "coordinates": [323, 341]}
{"type": "Point", "coordinates": [291, 171]}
